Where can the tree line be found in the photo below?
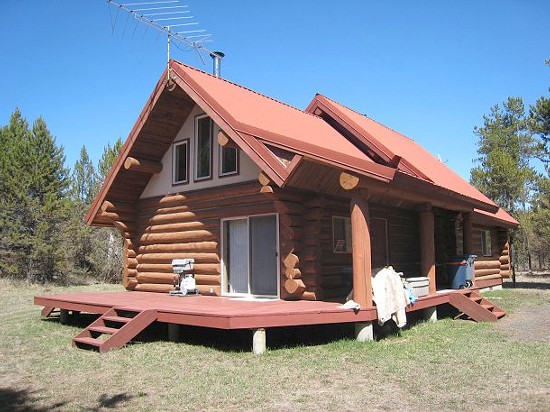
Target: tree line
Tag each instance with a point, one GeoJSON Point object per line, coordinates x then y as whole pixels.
{"type": "Point", "coordinates": [513, 169]}
{"type": "Point", "coordinates": [43, 237]}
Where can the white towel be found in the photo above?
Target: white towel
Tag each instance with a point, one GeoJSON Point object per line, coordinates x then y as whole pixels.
{"type": "Point", "coordinates": [390, 297]}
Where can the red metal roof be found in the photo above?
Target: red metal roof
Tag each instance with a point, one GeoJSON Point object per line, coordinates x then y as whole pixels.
{"type": "Point", "coordinates": [500, 216]}
{"type": "Point", "coordinates": [250, 113]}
{"type": "Point", "coordinates": [389, 143]}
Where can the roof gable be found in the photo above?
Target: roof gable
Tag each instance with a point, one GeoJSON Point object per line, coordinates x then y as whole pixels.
{"type": "Point", "coordinates": [392, 145]}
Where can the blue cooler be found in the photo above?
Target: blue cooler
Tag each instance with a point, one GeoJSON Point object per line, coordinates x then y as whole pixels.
{"type": "Point", "coordinates": [461, 270]}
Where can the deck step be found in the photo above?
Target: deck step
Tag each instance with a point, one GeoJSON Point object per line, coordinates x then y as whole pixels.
{"type": "Point", "coordinates": [474, 306]}
{"type": "Point", "coordinates": [117, 337]}
{"type": "Point", "coordinates": [116, 318]}
{"type": "Point", "coordinates": [88, 341]}
{"type": "Point", "coordinates": [103, 329]}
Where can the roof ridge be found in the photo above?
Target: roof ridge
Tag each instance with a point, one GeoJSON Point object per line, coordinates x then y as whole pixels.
{"type": "Point", "coordinates": [370, 118]}
{"type": "Point", "coordinates": [247, 89]}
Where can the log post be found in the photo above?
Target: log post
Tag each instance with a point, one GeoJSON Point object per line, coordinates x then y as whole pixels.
{"type": "Point", "coordinates": [427, 246]}
{"type": "Point", "coordinates": [467, 233]}
{"type": "Point", "coordinates": [361, 248]}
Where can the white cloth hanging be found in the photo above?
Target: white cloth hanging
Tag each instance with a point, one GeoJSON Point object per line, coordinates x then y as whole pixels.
{"type": "Point", "coordinates": [390, 297]}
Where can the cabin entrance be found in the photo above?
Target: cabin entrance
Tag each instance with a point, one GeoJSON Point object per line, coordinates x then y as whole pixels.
{"type": "Point", "coordinates": [250, 256]}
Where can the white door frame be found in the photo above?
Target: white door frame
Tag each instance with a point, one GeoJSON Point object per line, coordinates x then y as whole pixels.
{"type": "Point", "coordinates": [223, 269]}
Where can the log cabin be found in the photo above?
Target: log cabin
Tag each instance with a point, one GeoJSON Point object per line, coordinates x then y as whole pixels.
{"type": "Point", "coordinates": [276, 202]}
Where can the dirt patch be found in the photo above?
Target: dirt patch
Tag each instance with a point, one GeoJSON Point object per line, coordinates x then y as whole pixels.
{"type": "Point", "coordinates": [528, 325]}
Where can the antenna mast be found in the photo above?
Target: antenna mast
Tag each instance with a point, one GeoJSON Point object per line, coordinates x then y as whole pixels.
{"type": "Point", "coordinates": [155, 14]}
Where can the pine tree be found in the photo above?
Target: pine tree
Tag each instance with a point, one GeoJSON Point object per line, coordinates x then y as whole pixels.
{"type": "Point", "coordinates": [506, 147]}
{"type": "Point", "coordinates": [110, 153]}
{"type": "Point", "coordinates": [34, 203]}
{"type": "Point", "coordinates": [84, 179]}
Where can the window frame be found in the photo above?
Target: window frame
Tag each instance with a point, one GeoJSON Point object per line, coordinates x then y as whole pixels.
{"type": "Point", "coordinates": [485, 244]}
{"type": "Point", "coordinates": [185, 143]}
{"type": "Point", "coordinates": [220, 163]}
{"type": "Point", "coordinates": [348, 248]}
{"type": "Point", "coordinates": [196, 148]}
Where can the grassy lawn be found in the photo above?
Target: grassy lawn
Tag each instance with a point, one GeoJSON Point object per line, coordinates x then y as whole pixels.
{"type": "Point", "coordinates": [448, 365]}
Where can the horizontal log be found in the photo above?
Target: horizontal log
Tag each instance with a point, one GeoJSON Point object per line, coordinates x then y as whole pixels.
{"type": "Point", "coordinates": [129, 282]}
{"type": "Point", "coordinates": [313, 227]}
{"type": "Point", "coordinates": [151, 205]}
{"type": "Point", "coordinates": [291, 260]}
{"type": "Point", "coordinates": [142, 165]}
{"type": "Point", "coordinates": [266, 189]}
{"type": "Point", "coordinates": [225, 141]}
{"type": "Point", "coordinates": [122, 217]}
{"type": "Point", "coordinates": [291, 221]}
{"type": "Point", "coordinates": [318, 202]}
{"type": "Point", "coordinates": [291, 233]}
{"type": "Point", "coordinates": [504, 259]}
{"type": "Point", "coordinates": [131, 253]}
{"type": "Point", "coordinates": [314, 214]}
{"type": "Point", "coordinates": [505, 273]}
{"type": "Point", "coordinates": [183, 226]}
{"type": "Point", "coordinates": [311, 295]}
{"type": "Point", "coordinates": [486, 264]}
{"type": "Point", "coordinates": [504, 267]}
{"type": "Point", "coordinates": [168, 257]}
{"type": "Point", "coordinates": [131, 262]}
{"type": "Point", "coordinates": [291, 273]}
{"type": "Point", "coordinates": [208, 268]}
{"type": "Point", "coordinates": [156, 278]}
{"type": "Point", "coordinates": [486, 277]}
{"type": "Point", "coordinates": [202, 247]}
{"type": "Point", "coordinates": [210, 290]}
{"type": "Point", "coordinates": [288, 208]}
{"type": "Point", "coordinates": [173, 237]}
{"type": "Point", "coordinates": [154, 287]}
{"type": "Point", "coordinates": [294, 286]}
{"type": "Point", "coordinates": [118, 207]}
{"type": "Point", "coordinates": [264, 179]}
{"type": "Point", "coordinates": [478, 273]}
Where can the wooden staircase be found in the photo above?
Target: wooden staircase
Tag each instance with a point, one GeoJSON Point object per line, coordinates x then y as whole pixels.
{"type": "Point", "coordinates": [475, 307]}
{"type": "Point", "coordinates": [114, 329]}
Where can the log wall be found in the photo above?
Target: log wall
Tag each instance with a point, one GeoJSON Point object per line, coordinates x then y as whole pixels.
{"type": "Point", "coordinates": [187, 225]}
{"type": "Point", "coordinates": [497, 265]}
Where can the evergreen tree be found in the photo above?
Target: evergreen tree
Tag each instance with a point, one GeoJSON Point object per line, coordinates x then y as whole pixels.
{"type": "Point", "coordinates": [506, 147]}
{"type": "Point", "coordinates": [84, 179]}
{"type": "Point", "coordinates": [34, 203]}
{"type": "Point", "coordinates": [108, 158]}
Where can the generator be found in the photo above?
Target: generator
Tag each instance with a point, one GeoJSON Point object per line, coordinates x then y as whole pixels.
{"type": "Point", "coordinates": [184, 279]}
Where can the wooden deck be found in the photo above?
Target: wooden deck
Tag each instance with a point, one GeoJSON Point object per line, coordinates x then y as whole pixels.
{"type": "Point", "coordinates": [222, 312]}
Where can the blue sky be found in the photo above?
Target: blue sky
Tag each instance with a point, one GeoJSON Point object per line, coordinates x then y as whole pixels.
{"type": "Point", "coordinates": [428, 69]}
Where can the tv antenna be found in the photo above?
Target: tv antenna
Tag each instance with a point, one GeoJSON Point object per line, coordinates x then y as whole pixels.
{"type": "Point", "coordinates": [171, 18]}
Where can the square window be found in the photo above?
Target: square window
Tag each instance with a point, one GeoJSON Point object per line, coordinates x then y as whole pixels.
{"type": "Point", "coordinates": [180, 162]}
{"type": "Point", "coordinates": [341, 234]}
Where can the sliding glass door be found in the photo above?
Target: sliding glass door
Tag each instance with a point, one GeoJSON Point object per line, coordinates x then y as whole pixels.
{"type": "Point", "coordinates": [250, 256]}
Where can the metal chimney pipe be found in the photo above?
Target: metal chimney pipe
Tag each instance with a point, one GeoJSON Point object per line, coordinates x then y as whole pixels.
{"type": "Point", "coordinates": [217, 57]}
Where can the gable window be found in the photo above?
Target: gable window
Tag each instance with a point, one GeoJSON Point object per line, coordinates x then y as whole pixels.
{"type": "Point", "coordinates": [341, 234]}
{"type": "Point", "coordinates": [486, 243]}
{"type": "Point", "coordinates": [229, 161]}
{"type": "Point", "coordinates": [180, 162]}
{"type": "Point", "coordinates": [203, 147]}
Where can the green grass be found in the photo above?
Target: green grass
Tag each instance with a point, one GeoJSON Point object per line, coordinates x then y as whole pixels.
{"type": "Point", "coordinates": [447, 365]}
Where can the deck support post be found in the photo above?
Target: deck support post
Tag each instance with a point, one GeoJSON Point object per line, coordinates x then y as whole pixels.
{"type": "Point", "coordinates": [63, 316]}
{"type": "Point", "coordinates": [258, 341]}
{"type": "Point", "coordinates": [427, 246]}
{"type": "Point", "coordinates": [174, 332]}
{"type": "Point", "coordinates": [361, 248]}
{"type": "Point", "coordinates": [364, 331]}
{"type": "Point", "coordinates": [430, 314]}
{"type": "Point", "coordinates": [467, 235]}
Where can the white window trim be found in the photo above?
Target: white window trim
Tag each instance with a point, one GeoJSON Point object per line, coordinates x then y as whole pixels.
{"type": "Point", "coordinates": [220, 163]}
{"type": "Point", "coordinates": [196, 145]}
{"type": "Point", "coordinates": [224, 283]}
{"type": "Point", "coordinates": [174, 166]}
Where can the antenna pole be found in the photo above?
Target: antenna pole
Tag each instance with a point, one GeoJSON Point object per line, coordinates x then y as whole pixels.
{"type": "Point", "coordinates": [168, 56]}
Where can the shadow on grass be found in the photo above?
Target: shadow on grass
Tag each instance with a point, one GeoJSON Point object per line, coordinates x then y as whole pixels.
{"type": "Point", "coordinates": [240, 340]}
{"type": "Point", "coordinates": [22, 400]}
{"type": "Point", "coordinates": [110, 402]}
{"type": "Point", "coordinates": [526, 285]}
